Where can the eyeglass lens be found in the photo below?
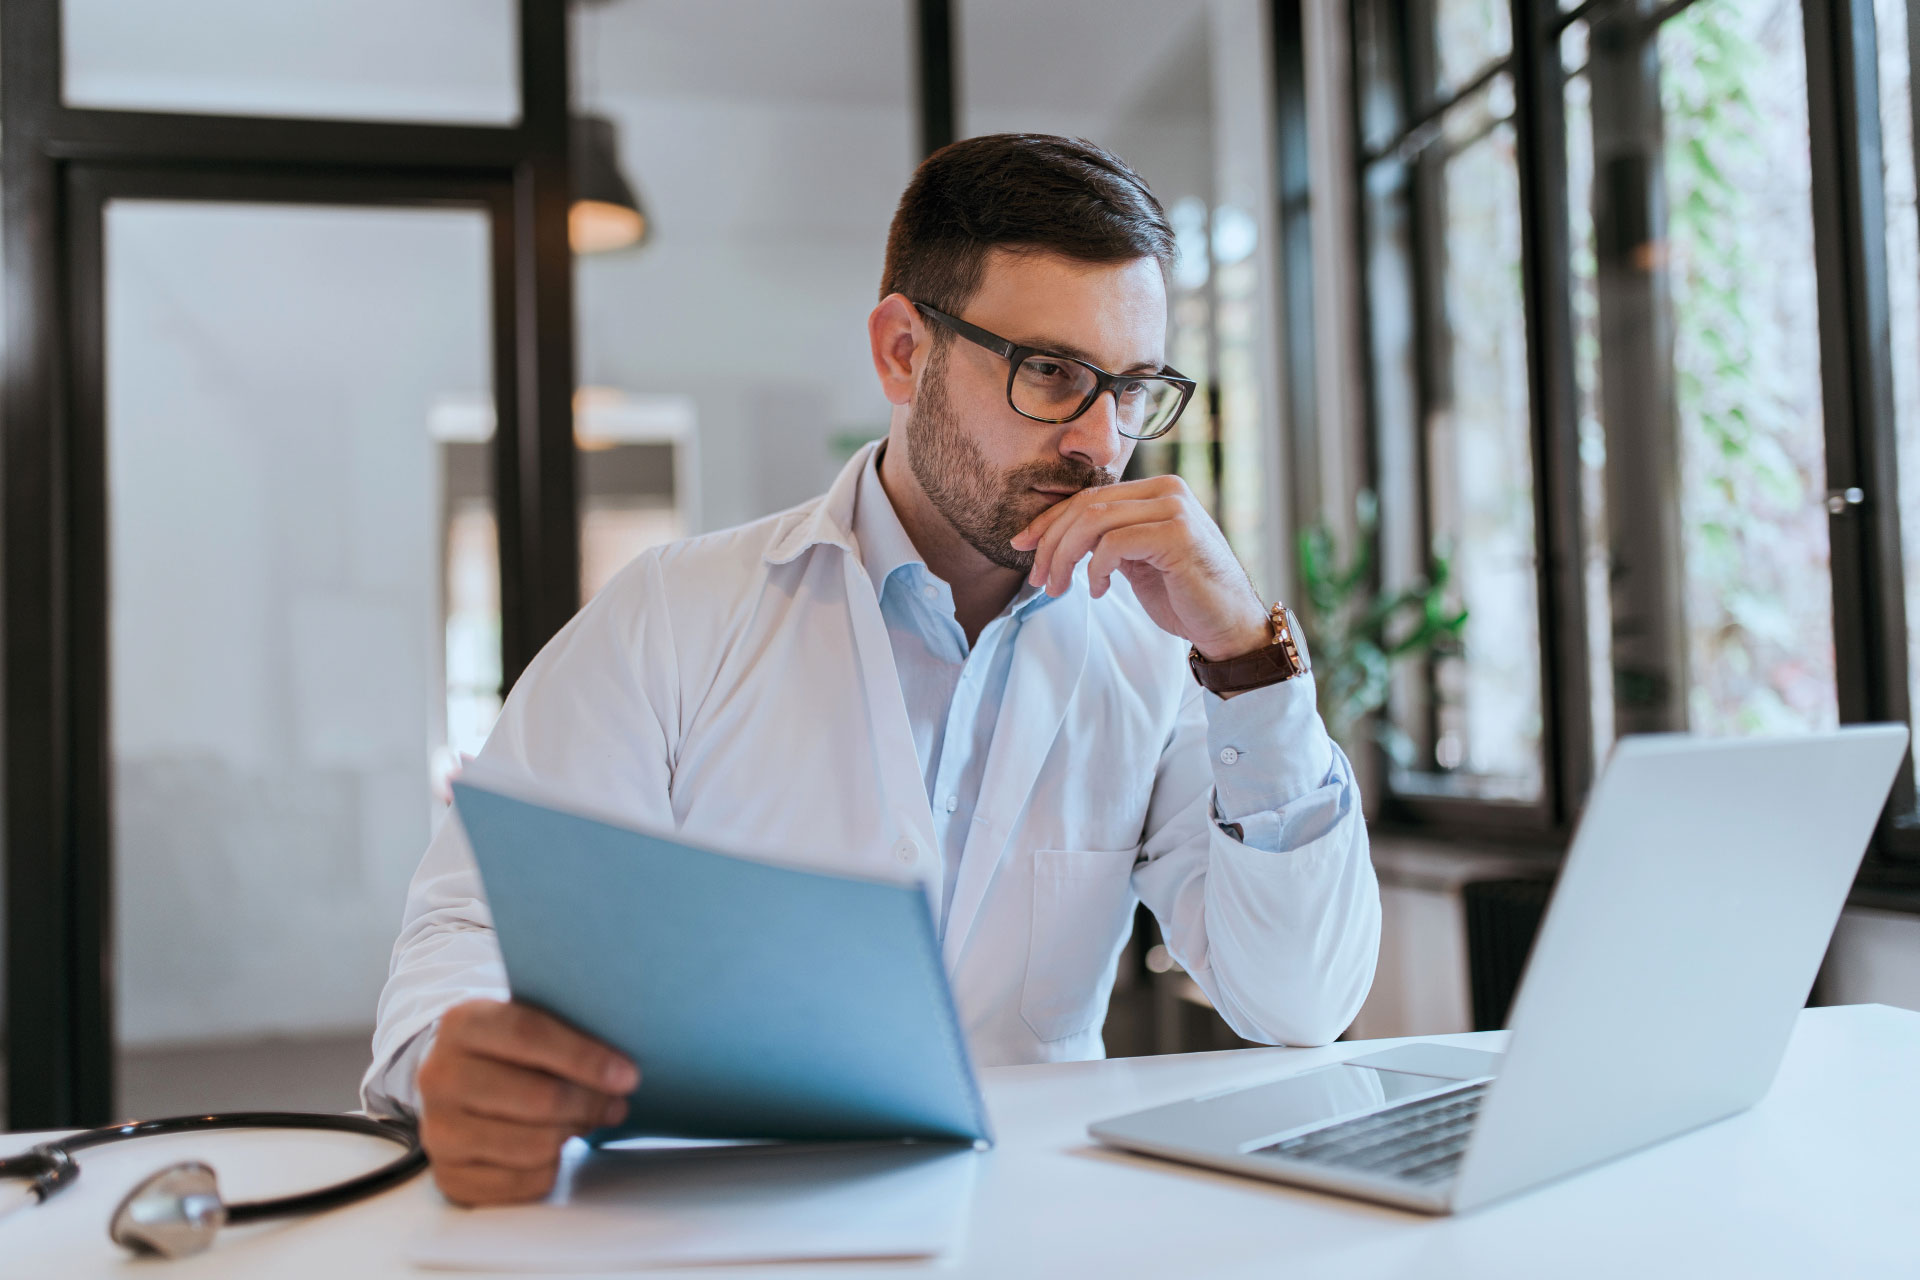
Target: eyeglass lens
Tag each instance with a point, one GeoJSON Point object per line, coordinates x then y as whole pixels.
{"type": "Point", "coordinates": [1053, 390]}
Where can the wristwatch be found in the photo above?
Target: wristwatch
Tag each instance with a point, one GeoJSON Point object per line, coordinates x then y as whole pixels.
{"type": "Point", "coordinates": [1284, 659]}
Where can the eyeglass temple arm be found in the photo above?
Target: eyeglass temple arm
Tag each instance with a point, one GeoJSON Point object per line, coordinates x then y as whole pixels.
{"type": "Point", "coordinates": [972, 333]}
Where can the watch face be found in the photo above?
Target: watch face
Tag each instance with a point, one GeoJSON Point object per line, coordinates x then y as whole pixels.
{"type": "Point", "coordinates": [1299, 640]}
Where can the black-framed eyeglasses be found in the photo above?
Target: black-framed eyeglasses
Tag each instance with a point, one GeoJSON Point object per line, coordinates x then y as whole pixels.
{"type": "Point", "coordinates": [1055, 388]}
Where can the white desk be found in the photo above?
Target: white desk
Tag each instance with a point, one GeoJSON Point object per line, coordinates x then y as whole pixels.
{"type": "Point", "coordinates": [1818, 1180]}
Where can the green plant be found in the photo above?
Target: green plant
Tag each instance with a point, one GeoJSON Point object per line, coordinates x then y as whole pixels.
{"type": "Point", "coordinates": [1358, 636]}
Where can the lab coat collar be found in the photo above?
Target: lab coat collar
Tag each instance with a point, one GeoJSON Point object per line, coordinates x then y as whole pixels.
{"type": "Point", "coordinates": [827, 519]}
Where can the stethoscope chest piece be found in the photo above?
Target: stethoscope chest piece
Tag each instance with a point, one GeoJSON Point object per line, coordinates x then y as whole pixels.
{"type": "Point", "coordinates": [173, 1214]}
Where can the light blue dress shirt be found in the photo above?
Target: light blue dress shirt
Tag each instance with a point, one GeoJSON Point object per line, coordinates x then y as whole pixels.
{"type": "Point", "coordinates": [1268, 746]}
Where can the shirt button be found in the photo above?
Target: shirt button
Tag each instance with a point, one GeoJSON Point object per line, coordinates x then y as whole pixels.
{"type": "Point", "coordinates": [953, 802]}
{"type": "Point", "coordinates": [906, 851]}
{"type": "Point", "coordinates": [929, 592]}
{"type": "Point", "coordinates": [1228, 755]}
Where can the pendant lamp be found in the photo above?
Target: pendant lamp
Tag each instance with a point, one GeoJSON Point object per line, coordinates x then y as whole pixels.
{"type": "Point", "coordinates": [606, 213]}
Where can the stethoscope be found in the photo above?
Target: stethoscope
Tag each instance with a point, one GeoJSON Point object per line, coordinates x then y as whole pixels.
{"type": "Point", "coordinates": [177, 1211]}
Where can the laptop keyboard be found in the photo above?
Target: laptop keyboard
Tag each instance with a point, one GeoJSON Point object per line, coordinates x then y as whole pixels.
{"type": "Point", "coordinates": [1420, 1141]}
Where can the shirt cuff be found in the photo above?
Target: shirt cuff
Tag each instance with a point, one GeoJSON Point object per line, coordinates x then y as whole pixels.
{"type": "Point", "coordinates": [1267, 746]}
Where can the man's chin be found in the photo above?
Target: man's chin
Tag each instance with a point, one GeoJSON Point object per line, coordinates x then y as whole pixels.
{"type": "Point", "coordinates": [997, 550]}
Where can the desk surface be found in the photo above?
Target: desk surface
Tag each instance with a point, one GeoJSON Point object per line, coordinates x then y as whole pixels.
{"type": "Point", "coordinates": [1815, 1181]}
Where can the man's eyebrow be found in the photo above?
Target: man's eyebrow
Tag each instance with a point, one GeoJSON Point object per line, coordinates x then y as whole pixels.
{"type": "Point", "coordinates": [1053, 347]}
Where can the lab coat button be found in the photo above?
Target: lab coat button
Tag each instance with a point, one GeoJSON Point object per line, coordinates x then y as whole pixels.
{"type": "Point", "coordinates": [1228, 755]}
{"type": "Point", "coordinates": [907, 851]}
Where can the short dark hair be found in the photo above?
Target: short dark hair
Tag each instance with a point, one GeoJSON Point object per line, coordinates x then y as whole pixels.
{"type": "Point", "coordinates": [1026, 192]}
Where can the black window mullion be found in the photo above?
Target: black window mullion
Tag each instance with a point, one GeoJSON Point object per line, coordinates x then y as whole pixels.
{"type": "Point", "coordinates": [1553, 402]}
{"type": "Point", "coordinates": [1426, 199]}
{"type": "Point", "coordinates": [46, 872]}
{"type": "Point", "coordinates": [1293, 197]}
{"type": "Point", "coordinates": [1401, 189]}
{"type": "Point", "coordinates": [937, 80]}
{"type": "Point", "coordinates": [544, 490]}
{"type": "Point", "coordinates": [1856, 373]}
{"type": "Point", "coordinates": [1393, 227]}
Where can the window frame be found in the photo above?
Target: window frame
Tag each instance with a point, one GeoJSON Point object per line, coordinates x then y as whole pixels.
{"type": "Point", "coordinates": [1855, 358]}
{"type": "Point", "coordinates": [1566, 764]}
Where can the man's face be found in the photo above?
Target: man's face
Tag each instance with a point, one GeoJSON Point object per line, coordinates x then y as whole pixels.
{"type": "Point", "coordinates": [988, 470]}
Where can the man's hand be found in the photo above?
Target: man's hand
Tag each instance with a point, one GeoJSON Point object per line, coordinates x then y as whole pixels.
{"type": "Point", "coordinates": [503, 1088]}
{"type": "Point", "coordinates": [1156, 533]}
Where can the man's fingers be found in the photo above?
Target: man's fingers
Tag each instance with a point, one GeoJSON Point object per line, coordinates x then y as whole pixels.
{"type": "Point", "coordinates": [1075, 512]}
{"type": "Point", "coordinates": [1038, 526]}
{"type": "Point", "coordinates": [1122, 491]}
{"type": "Point", "coordinates": [519, 1034]}
{"type": "Point", "coordinates": [467, 1138]}
{"type": "Point", "coordinates": [504, 1091]}
{"type": "Point", "coordinates": [1135, 542]}
{"type": "Point", "coordinates": [503, 1088]}
{"type": "Point", "coordinates": [478, 1184]}
{"type": "Point", "coordinates": [1067, 542]}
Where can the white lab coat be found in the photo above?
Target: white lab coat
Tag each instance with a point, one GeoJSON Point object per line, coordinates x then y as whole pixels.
{"type": "Point", "coordinates": [740, 687]}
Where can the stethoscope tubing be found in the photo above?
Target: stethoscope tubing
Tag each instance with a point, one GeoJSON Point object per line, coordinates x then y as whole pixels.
{"type": "Point", "coordinates": [49, 1158]}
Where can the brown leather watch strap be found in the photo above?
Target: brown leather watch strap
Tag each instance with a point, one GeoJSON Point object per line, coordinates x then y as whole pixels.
{"type": "Point", "coordinates": [1282, 660]}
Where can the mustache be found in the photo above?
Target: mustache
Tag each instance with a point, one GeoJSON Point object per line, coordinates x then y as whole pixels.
{"type": "Point", "coordinates": [1066, 473]}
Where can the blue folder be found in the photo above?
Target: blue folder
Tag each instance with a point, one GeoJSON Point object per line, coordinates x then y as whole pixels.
{"type": "Point", "coordinates": [759, 1001]}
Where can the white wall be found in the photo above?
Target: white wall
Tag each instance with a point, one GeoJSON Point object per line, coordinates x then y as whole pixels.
{"type": "Point", "coordinates": [1421, 986]}
{"type": "Point", "coordinates": [1874, 959]}
{"type": "Point", "coordinates": [770, 167]}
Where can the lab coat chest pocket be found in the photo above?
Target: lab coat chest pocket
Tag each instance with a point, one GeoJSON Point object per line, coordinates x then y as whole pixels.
{"type": "Point", "coordinates": [1082, 911]}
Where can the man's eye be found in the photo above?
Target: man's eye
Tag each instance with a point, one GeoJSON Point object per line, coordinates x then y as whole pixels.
{"type": "Point", "coordinates": [1130, 390]}
{"type": "Point", "coordinates": [1047, 369]}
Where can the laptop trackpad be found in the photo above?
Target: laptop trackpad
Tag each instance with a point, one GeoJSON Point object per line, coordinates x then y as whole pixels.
{"type": "Point", "coordinates": [1243, 1118]}
{"type": "Point", "coordinates": [1226, 1121]}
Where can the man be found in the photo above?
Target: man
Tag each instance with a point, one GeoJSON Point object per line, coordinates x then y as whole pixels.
{"type": "Point", "coordinates": [979, 658]}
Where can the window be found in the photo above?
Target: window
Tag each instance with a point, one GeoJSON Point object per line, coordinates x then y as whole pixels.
{"type": "Point", "coordinates": [1897, 32]}
{"type": "Point", "coordinates": [1451, 399]}
{"type": "Point", "coordinates": [442, 61]}
{"type": "Point", "coordinates": [1641, 301]}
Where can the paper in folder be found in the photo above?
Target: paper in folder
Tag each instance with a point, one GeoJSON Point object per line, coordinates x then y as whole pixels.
{"type": "Point", "coordinates": [760, 1001]}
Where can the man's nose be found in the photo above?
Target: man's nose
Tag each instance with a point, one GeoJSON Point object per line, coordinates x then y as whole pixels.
{"type": "Point", "coordinates": [1094, 436]}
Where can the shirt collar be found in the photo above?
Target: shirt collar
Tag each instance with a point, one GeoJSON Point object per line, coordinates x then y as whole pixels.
{"type": "Point", "coordinates": [877, 531]}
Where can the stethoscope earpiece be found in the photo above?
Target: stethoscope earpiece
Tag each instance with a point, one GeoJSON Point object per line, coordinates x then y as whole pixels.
{"type": "Point", "coordinates": [174, 1213]}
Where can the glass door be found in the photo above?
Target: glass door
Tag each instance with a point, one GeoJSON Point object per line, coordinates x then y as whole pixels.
{"type": "Point", "coordinates": [303, 622]}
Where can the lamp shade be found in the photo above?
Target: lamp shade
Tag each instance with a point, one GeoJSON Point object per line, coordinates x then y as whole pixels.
{"type": "Point", "coordinates": [606, 213]}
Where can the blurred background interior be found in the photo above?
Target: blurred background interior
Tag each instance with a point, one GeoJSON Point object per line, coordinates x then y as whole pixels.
{"type": "Point", "coordinates": [1559, 362]}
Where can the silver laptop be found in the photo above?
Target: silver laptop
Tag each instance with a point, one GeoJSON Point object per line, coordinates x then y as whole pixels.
{"type": "Point", "coordinates": [1690, 919]}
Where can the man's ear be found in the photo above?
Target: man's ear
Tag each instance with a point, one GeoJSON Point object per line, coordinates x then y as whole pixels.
{"type": "Point", "coordinates": [899, 339]}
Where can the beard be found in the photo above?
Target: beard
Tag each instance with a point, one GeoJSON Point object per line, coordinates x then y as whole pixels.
{"type": "Point", "coordinates": [986, 508]}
